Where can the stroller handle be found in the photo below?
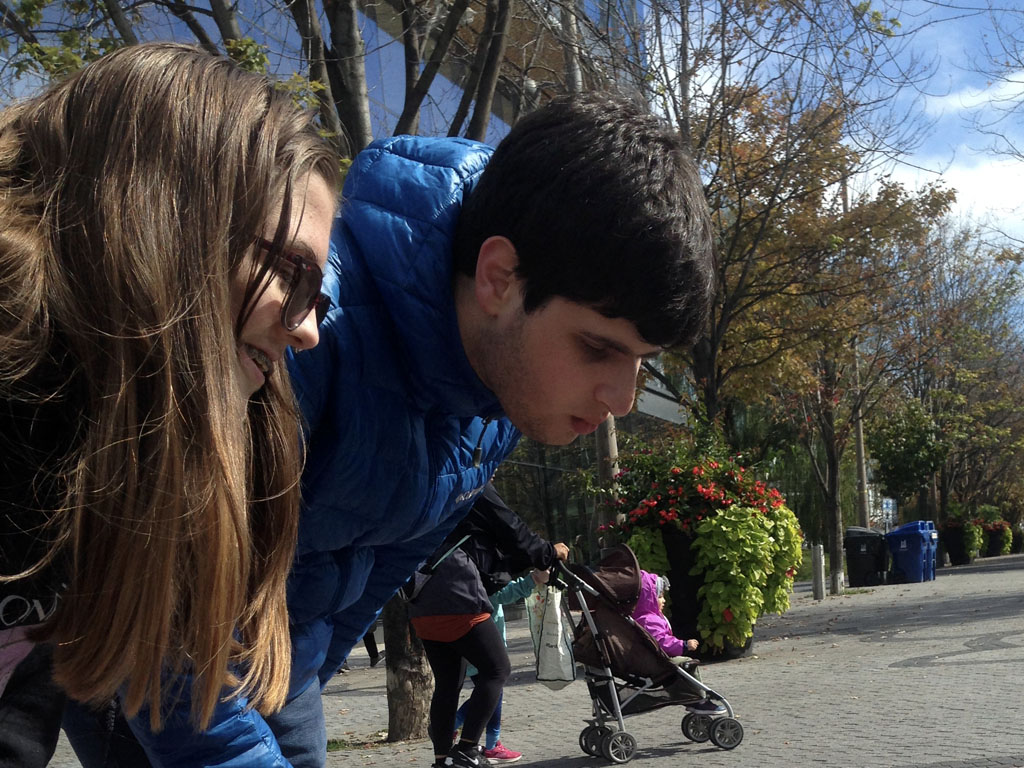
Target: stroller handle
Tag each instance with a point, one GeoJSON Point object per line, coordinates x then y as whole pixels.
{"type": "Point", "coordinates": [564, 578]}
{"type": "Point", "coordinates": [558, 572]}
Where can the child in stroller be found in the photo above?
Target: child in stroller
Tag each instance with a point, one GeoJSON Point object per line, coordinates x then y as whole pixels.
{"type": "Point", "coordinates": [627, 671]}
{"type": "Point", "coordinates": [650, 615]}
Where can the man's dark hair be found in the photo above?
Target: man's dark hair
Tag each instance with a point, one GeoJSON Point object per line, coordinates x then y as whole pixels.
{"type": "Point", "coordinates": [605, 208]}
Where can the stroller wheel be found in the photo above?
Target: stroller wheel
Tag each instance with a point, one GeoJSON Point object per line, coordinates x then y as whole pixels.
{"type": "Point", "coordinates": [584, 736]}
{"type": "Point", "coordinates": [697, 727]}
{"type": "Point", "coordinates": [619, 747]}
{"type": "Point", "coordinates": [590, 739]}
{"type": "Point", "coordinates": [726, 733]}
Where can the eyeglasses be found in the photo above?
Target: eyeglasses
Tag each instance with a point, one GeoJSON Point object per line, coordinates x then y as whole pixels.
{"type": "Point", "coordinates": [303, 293]}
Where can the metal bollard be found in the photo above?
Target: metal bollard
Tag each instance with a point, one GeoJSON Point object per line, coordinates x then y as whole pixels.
{"type": "Point", "coordinates": [818, 570]}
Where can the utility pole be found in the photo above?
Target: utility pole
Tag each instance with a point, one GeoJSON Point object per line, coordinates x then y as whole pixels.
{"type": "Point", "coordinates": [607, 452]}
{"type": "Point", "coordinates": [607, 468]}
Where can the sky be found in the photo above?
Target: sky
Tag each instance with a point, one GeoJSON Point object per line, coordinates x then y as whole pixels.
{"type": "Point", "coordinates": [990, 187]}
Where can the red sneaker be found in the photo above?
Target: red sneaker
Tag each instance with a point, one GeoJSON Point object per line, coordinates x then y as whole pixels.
{"type": "Point", "coordinates": [501, 754]}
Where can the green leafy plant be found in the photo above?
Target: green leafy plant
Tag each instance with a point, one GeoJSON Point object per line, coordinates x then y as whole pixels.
{"type": "Point", "coordinates": [649, 548]}
{"type": "Point", "coordinates": [747, 541]}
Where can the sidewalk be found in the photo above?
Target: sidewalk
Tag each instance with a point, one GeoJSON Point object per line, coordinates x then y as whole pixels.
{"type": "Point", "coordinates": [908, 676]}
{"type": "Point", "coordinates": [922, 675]}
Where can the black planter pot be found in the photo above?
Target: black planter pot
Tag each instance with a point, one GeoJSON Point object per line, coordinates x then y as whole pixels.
{"type": "Point", "coordinates": [953, 540]}
{"type": "Point", "coordinates": [683, 591]}
{"type": "Point", "coordinates": [993, 543]}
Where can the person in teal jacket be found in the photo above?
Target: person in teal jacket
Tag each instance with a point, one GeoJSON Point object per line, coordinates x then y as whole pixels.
{"type": "Point", "coordinates": [476, 295]}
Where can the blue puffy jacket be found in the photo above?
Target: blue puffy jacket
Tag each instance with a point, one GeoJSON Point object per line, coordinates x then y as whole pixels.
{"type": "Point", "coordinates": [395, 414]}
{"type": "Point", "coordinates": [394, 409]}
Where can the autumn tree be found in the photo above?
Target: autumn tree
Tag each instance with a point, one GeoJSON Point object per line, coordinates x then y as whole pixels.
{"type": "Point", "coordinates": [962, 357]}
{"type": "Point", "coordinates": [873, 262]}
{"type": "Point", "coordinates": [779, 102]}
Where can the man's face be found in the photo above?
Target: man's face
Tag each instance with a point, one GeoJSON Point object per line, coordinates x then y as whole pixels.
{"type": "Point", "coordinates": [562, 369]}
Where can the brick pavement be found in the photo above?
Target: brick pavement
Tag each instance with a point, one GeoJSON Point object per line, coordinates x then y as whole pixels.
{"type": "Point", "coordinates": [904, 676]}
{"type": "Point", "coordinates": [900, 676]}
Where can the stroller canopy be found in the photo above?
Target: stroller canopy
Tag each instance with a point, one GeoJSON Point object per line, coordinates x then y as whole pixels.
{"type": "Point", "coordinates": [617, 578]}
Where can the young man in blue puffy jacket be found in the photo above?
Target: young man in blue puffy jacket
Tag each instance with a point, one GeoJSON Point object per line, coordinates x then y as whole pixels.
{"type": "Point", "coordinates": [477, 295]}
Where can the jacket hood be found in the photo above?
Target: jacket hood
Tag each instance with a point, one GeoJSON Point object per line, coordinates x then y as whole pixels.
{"type": "Point", "coordinates": [648, 600]}
{"type": "Point", "coordinates": [398, 238]}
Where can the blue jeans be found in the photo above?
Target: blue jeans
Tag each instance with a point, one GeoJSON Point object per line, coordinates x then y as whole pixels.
{"type": "Point", "coordinates": [300, 730]}
{"type": "Point", "coordinates": [493, 732]}
{"type": "Point", "coordinates": [101, 737]}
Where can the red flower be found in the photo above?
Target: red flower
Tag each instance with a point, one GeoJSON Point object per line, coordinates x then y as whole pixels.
{"type": "Point", "coordinates": [675, 470]}
{"type": "Point", "coordinates": [727, 615]}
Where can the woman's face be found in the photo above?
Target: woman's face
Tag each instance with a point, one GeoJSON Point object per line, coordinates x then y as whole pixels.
{"type": "Point", "coordinates": [262, 342]}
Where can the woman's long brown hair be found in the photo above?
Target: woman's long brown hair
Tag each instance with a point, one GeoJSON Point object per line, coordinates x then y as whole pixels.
{"type": "Point", "coordinates": [129, 196]}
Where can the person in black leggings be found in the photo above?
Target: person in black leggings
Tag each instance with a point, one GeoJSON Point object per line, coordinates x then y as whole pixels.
{"type": "Point", "coordinates": [482, 647]}
{"type": "Point", "coordinates": [450, 610]}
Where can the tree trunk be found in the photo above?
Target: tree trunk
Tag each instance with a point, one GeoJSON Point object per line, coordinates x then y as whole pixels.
{"type": "Point", "coordinates": [412, 45]}
{"type": "Point", "coordinates": [225, 19]}
{"type": "Point", "coordinates": [570, 48]}
{"type": "Point", "coordinates": [409, 119]}
{"type": "Point", "coordinates": [410, 683]}
{"type": "Point", "coordinates": [833, 504]}
{"type": "Point", "coordinates": [835, 523]}
{"type": "Point", "coordinates": [183, 12]}
{"type": "Point", "coordinates": [124, 27]}
{"type": "Point", "coordinates": [489, 76]}
{"type": "Point", "coordinates": [472, 82]}
{"type": "Point", "coordinates": [348, 73]}
{"type": "Point", "coordinates": [308, 24]}
{"type": "Point", "coordinates": [705, 375]}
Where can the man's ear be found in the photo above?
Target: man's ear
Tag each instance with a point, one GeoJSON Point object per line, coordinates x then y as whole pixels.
{"type": "Point", "coordinates": [495, 279]}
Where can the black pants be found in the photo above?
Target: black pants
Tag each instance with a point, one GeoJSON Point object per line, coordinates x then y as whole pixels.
{"type": "Point", "coordinates": [370, 644]}
{"type": "Point", "coordinates": [30, 712]}
{"type": "Point", "coordinates": [482, 647]}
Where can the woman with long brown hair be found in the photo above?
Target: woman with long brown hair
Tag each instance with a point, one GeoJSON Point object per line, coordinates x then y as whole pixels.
{"type": "Point", "coordinates": [164, 219]}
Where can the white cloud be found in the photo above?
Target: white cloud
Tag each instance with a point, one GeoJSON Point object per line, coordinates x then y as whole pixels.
{"type": "Point", "coordinates": [990, 189]}
{"type": "Point", "coordinates": [973, 98]}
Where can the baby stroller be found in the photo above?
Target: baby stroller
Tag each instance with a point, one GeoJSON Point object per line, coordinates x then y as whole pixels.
{"type": "Point", "coordinates": [627, 673]}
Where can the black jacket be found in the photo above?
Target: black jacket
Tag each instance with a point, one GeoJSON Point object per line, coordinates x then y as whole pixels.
{"type": "Point", "coordinates": [35, 441]}
{"type": "Point", "coordinates": [499, 542]}
{"type": "Point", "coordinates": [491, 543]}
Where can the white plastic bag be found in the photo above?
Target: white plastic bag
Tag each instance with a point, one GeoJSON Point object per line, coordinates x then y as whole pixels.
{"type": "Point", "coordinates": [551, 629]}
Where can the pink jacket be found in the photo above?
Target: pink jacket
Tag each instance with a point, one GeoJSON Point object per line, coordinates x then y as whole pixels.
{"type": "Point", "coordinates": [647, 615]}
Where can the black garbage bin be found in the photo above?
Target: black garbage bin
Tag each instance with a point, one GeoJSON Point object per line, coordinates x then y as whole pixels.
{"type": "Point", "coordinates": [867, 556]}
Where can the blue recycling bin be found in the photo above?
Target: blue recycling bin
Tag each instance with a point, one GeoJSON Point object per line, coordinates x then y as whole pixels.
{"type": "Point", "coordinates": [913, 551]}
